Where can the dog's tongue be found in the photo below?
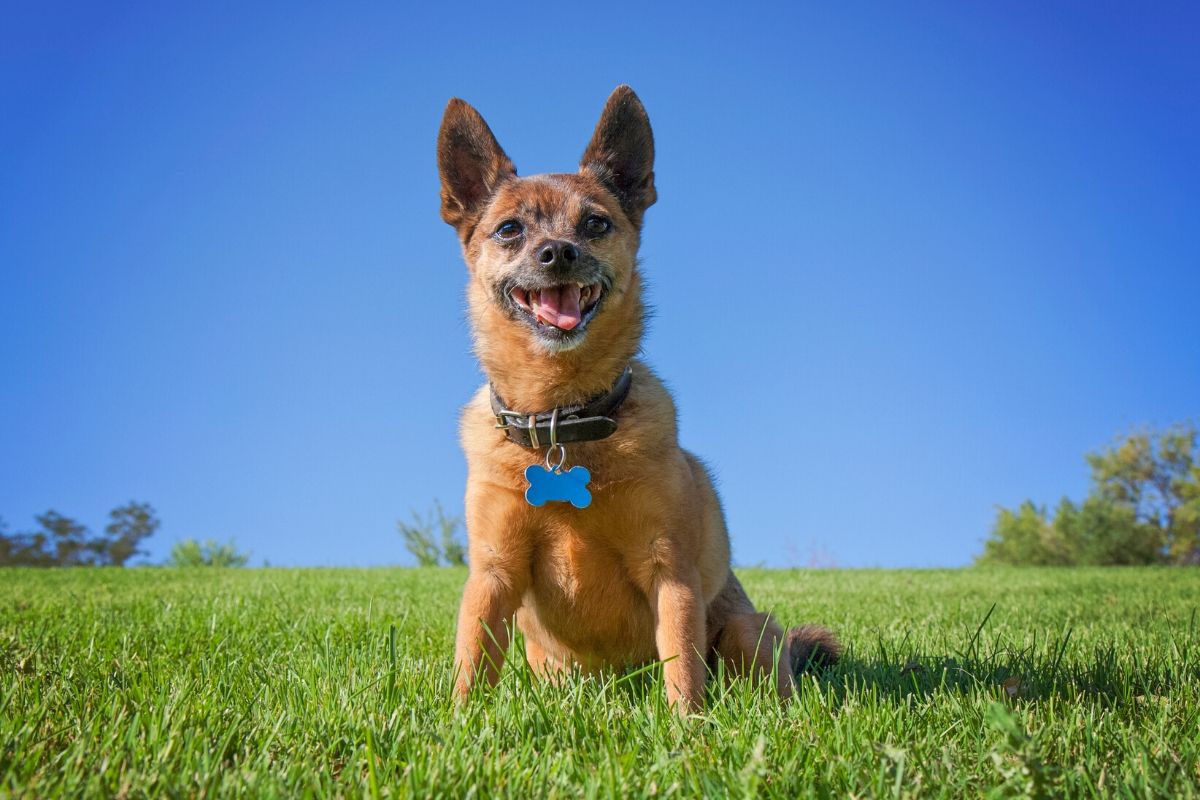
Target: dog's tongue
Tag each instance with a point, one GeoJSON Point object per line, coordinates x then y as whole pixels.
{"type": "Point", "coordinates": [560, 306]}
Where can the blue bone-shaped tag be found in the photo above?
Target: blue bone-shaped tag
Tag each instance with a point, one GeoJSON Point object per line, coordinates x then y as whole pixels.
{"type": "Point", "coordinates": [569, 486]}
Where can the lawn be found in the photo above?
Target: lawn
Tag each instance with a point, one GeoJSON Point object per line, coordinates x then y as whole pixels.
{"type": "Point", "coordinates": [272, 682]}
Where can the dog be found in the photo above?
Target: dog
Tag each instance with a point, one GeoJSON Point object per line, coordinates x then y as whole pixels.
{"type": "Point", "coordinates": [621, 556]}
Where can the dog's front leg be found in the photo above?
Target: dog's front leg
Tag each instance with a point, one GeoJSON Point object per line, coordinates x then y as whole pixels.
{"type": "Point", "coordinates": [499, 559]}
{"type": "Point", "coordinates": [490, 599]}
{"type": "Point", "coordinates": [679, 637]}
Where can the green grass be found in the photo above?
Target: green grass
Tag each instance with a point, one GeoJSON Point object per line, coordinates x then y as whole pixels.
{"type": "Point", "coordinates": [337, 683]}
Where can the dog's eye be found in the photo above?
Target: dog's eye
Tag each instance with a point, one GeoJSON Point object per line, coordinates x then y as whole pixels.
{"type": "Point", "coordinates": [509, 230]}
{"type": "Point", "coordinates": [596, 225]}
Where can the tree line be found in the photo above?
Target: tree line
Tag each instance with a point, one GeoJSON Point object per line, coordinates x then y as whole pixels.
{"type": "Point", "coordinates": [1143, 507]}
{"type": "Point", "coordinates": [59, 541]}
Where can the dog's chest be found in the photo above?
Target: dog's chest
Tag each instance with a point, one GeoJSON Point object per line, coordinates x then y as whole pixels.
{"type": "Point", "coordinates": [584, 595]}
{"type": "Point", "coordinates": [573, 565]}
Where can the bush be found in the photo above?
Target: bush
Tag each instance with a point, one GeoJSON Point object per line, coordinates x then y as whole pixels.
{"type": "Point", "coordinates": [1030, 537]}
{"type": "Point", "coordinates": [432, 539]}
{"type": "Point", "coordinates": [191, 553]}
{"type": "Point", "coordinates": [1112, 534]}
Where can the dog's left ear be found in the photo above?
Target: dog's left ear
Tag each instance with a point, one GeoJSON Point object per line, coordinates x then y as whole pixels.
{"type": "Point", "coordinates": [472, 165]}
{"type": "Point", "coordinates": [621, 153]}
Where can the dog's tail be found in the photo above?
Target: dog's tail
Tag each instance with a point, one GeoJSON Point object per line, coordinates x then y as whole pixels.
{"type": "Point", "coordinates": [813, 648]}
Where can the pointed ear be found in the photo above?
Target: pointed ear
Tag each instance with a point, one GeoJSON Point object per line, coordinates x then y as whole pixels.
{"type": "Point", "coordinates": [621, 153]}
{"type": "Point", "coordinates": [471, 164]}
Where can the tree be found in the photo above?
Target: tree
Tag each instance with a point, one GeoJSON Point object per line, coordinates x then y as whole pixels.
{"type": "Point", "coordinates": [60, 541]}
{"type": "Point", "coordinates": [128, 526]}
{"type": "Point", "coordinates": [68, 539]}
{"type": "Point", "coordinates": [1187, 516]}
{"type": "Point", "coordinates": [191, 553]}
{"type": "Point", "coordinates": [1143, 508]}
{"type": "Point", "coordinates": [431, 538]}
{"type": "Point", "coordinates": [24, 549]}
{"type": "Point", "coordinates": [1155, 476]}
{"type": "Point", "coordinates": [7, 545]}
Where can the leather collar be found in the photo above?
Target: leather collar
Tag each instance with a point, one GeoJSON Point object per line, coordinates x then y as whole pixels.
{"type": "Point", "coordinates": [582, 423]}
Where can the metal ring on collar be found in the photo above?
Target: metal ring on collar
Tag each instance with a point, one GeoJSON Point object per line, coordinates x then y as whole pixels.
{"type": "Point", "coordinates": [562, 457]}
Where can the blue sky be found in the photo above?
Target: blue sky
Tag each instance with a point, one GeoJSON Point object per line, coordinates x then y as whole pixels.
{"type": "Point", "coordinates": [955, 245]}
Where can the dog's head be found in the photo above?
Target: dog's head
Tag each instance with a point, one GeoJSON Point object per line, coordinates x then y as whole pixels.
{"type": "Point", "coordinates": [552, 257]}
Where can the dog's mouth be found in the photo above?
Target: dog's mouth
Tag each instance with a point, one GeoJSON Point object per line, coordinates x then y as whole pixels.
{"type": "Point", "coordinates": [561, 309]}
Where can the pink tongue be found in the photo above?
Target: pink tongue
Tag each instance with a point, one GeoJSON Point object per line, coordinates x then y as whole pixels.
{"type": "Point", "coordinates": [560, 306]}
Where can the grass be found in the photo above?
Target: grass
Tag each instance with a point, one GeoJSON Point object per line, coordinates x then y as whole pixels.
{"type": "Point", "coordinates": [159, 682]}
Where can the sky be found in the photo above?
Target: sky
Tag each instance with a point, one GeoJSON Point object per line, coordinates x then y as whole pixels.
{"type": "Point", "coordinates": [909, 262]}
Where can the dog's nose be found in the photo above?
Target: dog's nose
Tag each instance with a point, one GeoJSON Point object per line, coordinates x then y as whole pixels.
{"type": "Point", "coordinates": [558, 254]}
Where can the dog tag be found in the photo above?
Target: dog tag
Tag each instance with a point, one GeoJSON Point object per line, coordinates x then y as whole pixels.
{"type": "Point", "coordinates": [548, 484]}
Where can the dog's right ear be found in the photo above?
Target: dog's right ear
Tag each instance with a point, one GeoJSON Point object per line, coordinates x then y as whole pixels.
{"type": "Point", "coordinates": [471, 164]}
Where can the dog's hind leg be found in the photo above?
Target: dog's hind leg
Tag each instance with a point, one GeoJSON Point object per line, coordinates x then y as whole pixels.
{"type": "Point", "coordinates": [748, 643]}
{"type": "Point", "coordinates": [539, 657]}
{"type": "Point", "coordinates": [753, 645]}
{"type": "Point", "coordinates": [535, 654]}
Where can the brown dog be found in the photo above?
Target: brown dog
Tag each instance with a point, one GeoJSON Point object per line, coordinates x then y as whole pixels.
{"type": "Point", "coordinates": [555, 300]}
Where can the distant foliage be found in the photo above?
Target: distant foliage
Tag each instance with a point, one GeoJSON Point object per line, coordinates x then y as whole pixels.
{"type": "Point", "coordinates": [420, 541]}
{"type": "Point", "coordinates": [1024, 536]}
{"type": "Point", "coordinates": [1143, 508]}
{"type": "Point", "coordinates": [1157, 477]}
{"type": "Point", "coordinates": [209, 553]}
{"type": "Point", "coordinates": [60, 541]}
{"type": "Point", "coordinates": [129, 525]}
{"type": "Point", "coordinates": [453, 550]}
{"type": "Point", "coordinates": [432, 538]}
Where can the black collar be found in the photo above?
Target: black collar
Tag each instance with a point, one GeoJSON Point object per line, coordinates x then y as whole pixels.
{"type": "Point", "coordinates": [583, 423]}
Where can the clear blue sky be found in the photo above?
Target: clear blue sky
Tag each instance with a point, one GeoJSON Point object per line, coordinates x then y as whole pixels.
{"type": "Point", "coordinates": [955, 245]}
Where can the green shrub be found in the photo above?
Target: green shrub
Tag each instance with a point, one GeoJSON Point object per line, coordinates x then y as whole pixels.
{"type": "Point", "coordinates": [191, 553]}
